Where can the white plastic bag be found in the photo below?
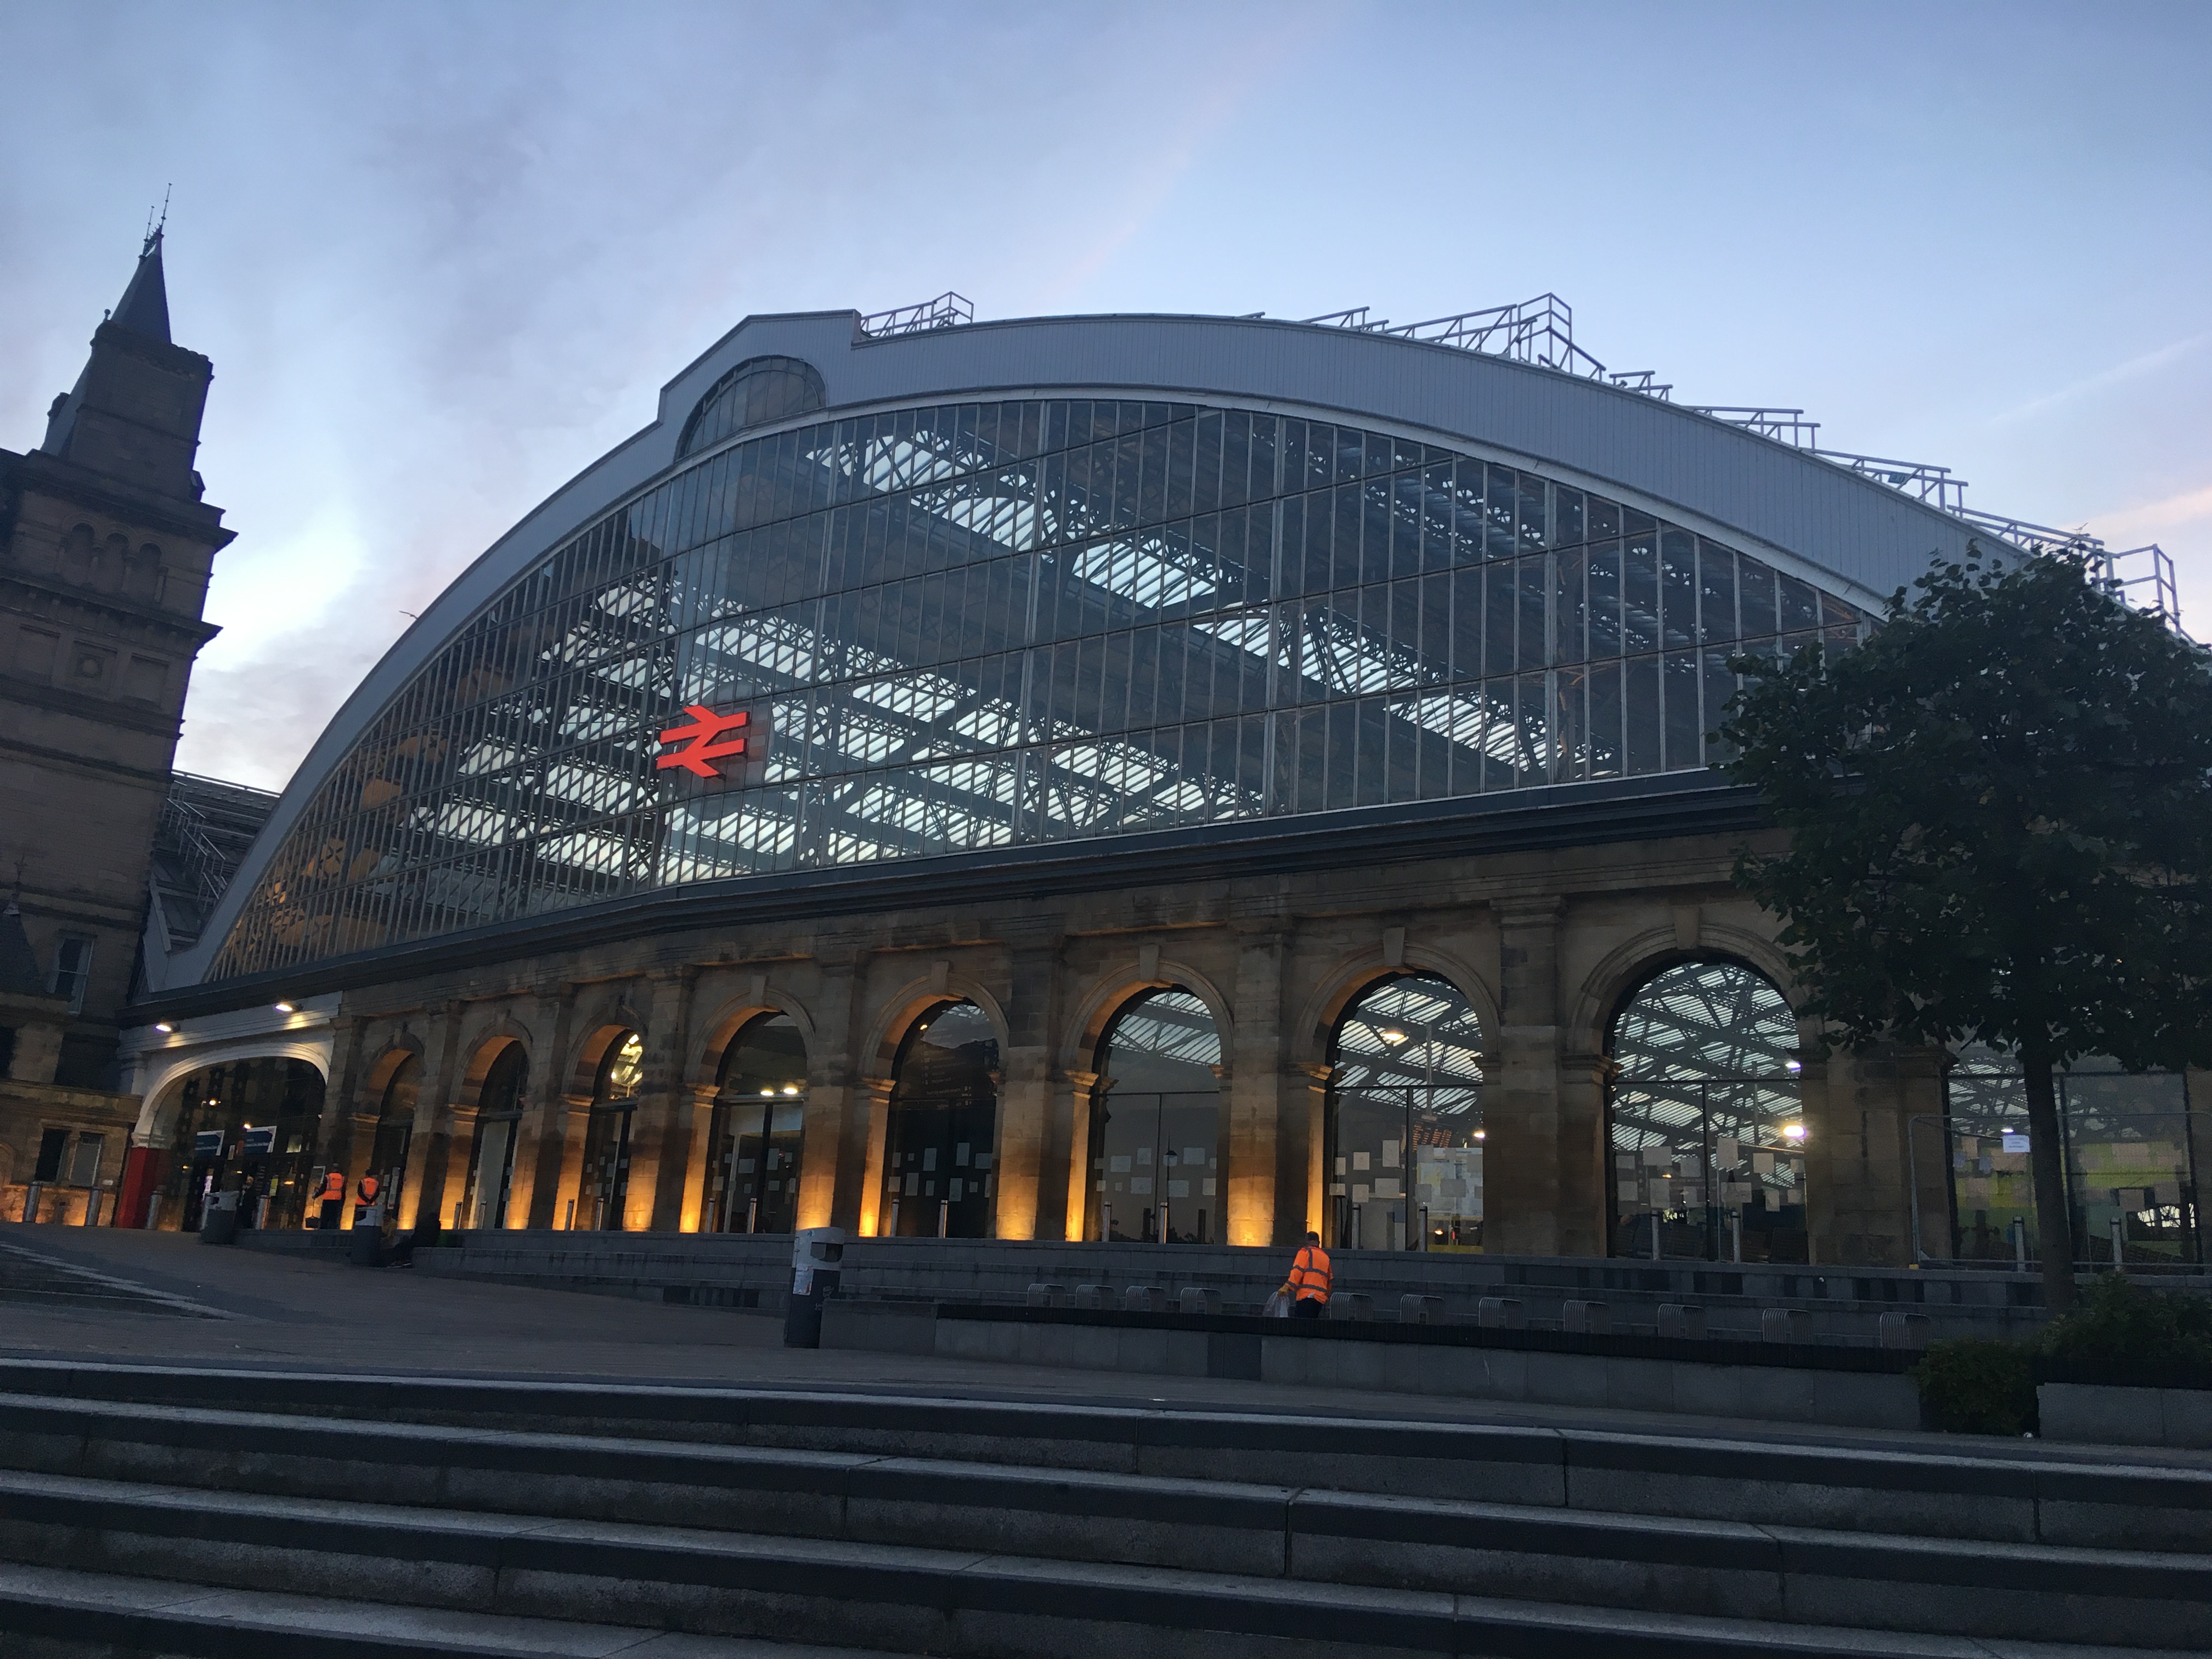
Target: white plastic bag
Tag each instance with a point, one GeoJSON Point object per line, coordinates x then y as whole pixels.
{"type": "Point", "coordinates": [1278, 1307]}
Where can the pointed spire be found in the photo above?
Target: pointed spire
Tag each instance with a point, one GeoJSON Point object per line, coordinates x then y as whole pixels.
{"type": "Point", "coordinates": [144, 308]}
{"type": "Point", "coordinates": [18, 963]}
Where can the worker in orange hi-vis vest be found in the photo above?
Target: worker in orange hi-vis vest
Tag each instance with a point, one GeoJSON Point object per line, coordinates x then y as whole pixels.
{"type": "Point", "coordinates": [1307, 1285]}
{"type": "Point", "coordinates": [333, 1198]}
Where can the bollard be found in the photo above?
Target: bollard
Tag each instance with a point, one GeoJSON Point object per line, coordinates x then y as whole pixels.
{"type": "Point", "coordinates": [1199, 1299]}
{"type": "Point", "coordinates": [1501, 1313]}
{"type": "Point", "coordinates": [1785, 1325]}
{"type": "Point", "coordinates": [1353, 1304]}
{"type": "Point", "coordinates": [1585, 1318]}
{"type": "Point", "coordinates": [1090, 1296]}
{"type": "Point", "coordinates": [1146, 1299]}
{"type": "Point", "coordinates": [1677, 1320]}
{"type": "Point", "coordinates": [1904, 1330]}
{"type": "Point", "coordinates": [1420, 1309]}
{"type": "Point", "coordinates": [1046, 1295]}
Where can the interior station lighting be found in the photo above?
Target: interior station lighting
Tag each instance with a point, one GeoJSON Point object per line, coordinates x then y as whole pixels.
{"type": "Point", "coordinates": [1793, 1132]}
{"type": "Point", "coordinates": [1393, 1037]}
{"type": "Point", "coordinates": [164, 1028]}
{"type": "Point", "coordinates": [283, 1007]}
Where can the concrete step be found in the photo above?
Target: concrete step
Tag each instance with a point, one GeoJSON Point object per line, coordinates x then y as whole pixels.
{"type": "Point", "coordinates": [1194, 1517]}
{"type": "Point", "coordinates": [1384, 1573]}
{"type": "Point", "coordinates": [1999, 1492]}
{"type": "Point", "coordinates": [52, 1613]}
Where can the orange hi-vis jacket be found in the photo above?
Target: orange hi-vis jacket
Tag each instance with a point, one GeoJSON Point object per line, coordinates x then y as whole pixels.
{"type": "Point", "coordinates": [334, 1186]}
{"type": "Point", "coordinates": [1310, 1276]}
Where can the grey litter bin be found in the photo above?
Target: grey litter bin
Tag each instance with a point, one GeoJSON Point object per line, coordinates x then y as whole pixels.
{"type": "Point", "coordinates": [815, 1253]}
{"type": "Point", "coordinates": [365, 1247]}
{"type": "Point", "coordinates": [219, 1220]}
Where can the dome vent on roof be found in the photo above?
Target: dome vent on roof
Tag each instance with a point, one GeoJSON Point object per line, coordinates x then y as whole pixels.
{"type": "Point", "coordinates": [758, 391]}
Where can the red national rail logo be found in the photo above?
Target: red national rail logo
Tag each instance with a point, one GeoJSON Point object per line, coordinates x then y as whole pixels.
{"type": "Point", "coordinates": [710, 738]}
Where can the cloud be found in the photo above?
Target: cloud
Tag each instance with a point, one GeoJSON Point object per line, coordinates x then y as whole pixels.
{"type": "Point", "coordinates": [2150, 519]}
{"type": "Point", "coordinates": [2117, 374]}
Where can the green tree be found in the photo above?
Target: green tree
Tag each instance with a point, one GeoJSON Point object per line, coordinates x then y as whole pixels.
{"type": "Point", "coordinates": [2000, 816]}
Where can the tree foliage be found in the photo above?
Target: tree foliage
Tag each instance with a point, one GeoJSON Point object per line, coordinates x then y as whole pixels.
{"type": "Point", "coordinates": [2000, 816]}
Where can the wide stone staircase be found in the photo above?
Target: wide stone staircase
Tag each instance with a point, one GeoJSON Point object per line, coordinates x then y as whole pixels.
{"type": "Point", "coordinates": [151, 1510]}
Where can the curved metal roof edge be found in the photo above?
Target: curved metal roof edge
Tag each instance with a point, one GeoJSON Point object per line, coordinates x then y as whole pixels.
{"type": "Point", "coordinates": [1154, 356]}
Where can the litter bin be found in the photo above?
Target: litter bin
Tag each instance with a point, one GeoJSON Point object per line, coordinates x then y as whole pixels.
{"type": "Point", "coordinates": [219, 1220]}
{"type": "Point", "coordinates": [365, 1248]}
{"type": "Point", "coordinates": [815, 1254]}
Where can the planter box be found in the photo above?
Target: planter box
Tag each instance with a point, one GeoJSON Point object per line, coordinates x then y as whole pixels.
{"type": "Point", "coordinates": [1859, 1388]}
{"type": "Point", "coordinates": [2105, 1414]}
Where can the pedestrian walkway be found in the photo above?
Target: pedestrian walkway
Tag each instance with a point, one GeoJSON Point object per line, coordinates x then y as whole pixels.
{"type": "Point", "coordinates": [295, 1312]}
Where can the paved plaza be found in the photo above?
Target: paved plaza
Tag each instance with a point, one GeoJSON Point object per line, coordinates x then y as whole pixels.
{"type": "Point", "coordinates": [266, 1310]}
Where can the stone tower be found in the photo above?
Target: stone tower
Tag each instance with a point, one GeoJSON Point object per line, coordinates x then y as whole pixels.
{"type": "Point", "coordinates": [104, 551]}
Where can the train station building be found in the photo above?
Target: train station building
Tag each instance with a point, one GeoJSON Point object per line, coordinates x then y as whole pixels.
{"type": "Point", "coordinates": [1119, 778]}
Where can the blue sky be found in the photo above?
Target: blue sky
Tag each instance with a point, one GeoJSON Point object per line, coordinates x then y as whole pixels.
{"type": "Point", "coordinates": [444, 255]}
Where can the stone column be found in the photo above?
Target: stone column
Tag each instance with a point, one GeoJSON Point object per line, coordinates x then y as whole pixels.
{"type": "Point", "coordinates": [1860, 1170]}
{"type": "Point", "coordinates": [1078, 1097]}
{"type": "Point", "coordinates": [2197, 1087]}
{"type": "Point", "coordinates": [1026, 1076]}
{"type": "Point", "coordinates": [1585, 1161]}
{"type": "Point", "coordinates": [334, 1130]}
{"type": "Point", "coordinates": [868, 1111]}
{"type": "Point", "coordinates": [832, 1153]}
{"type": "Point", "coordinates": [1263, 1161]}
{"type": "Point", "coordinates": [566, 1193]}
{"type": "Point", "coordinates": [1305, 1095]}
{"type": "Point", "coordinates": [660, 1130]}
{"type": "Point", "coordinates": [1523, 1195]}
{"type": "Point", "coordinates": [543, 1130]}
{"type": "Point", "coordinates": [697, 1107]}
{"type": "Point", "coordinates": [429, 1148]}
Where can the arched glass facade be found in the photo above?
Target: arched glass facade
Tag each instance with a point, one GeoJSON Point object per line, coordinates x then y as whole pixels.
{"type": "Point", "coordinates": [1708, 1146]}
{"type": "Point", "coordinates": [985, 625]}
{"type": "Point", "coordinates": [605, 1184]}
{"type": "Point", "coordinates": [941, 1141]}
{"type": "Point", "coordinates": [760, 1118]}
{"type": "Point", "coordinates": [248, 1126]}
{"type": "Point", "coordinates": [1156, 1157]}
{"type": "Point", "coordinates": [2131, 1155]}
{"type": "Point", "coordinates": [1403, 1137]}
{"type": "Point", "coordinates": [500, 1102]}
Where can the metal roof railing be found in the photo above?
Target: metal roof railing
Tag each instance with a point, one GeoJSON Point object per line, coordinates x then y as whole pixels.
{"type": "Point", "coordinates": [947, 310]}
{"type": "Point", "coordinates": [1540, 332]}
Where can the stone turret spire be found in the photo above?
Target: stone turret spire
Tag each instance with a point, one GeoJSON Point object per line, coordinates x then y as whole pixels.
{"type": "Point", "coordinates": [144, 308]}
{"type": "Point", "coordinates": [135, 412]}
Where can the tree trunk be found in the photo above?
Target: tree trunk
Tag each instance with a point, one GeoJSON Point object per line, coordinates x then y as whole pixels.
{"type": "Point", "coordinates": [2046, 1155]}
